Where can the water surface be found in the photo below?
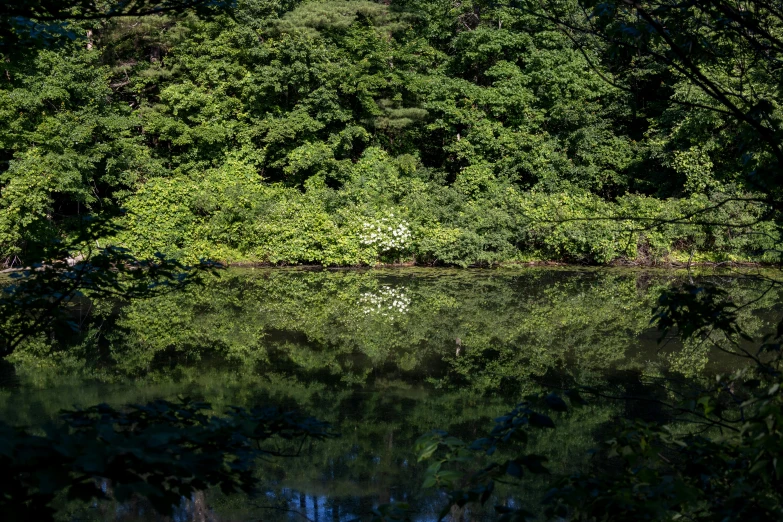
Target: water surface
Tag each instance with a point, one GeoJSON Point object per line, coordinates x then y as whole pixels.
{"type": "Point", "coordinates": [384, 355]}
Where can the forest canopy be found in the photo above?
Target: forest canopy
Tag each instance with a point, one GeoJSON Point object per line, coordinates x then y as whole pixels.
{"type": "Point", "coordinates": [348, 132]}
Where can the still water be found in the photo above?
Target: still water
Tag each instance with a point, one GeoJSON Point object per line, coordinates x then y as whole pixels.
{"type": "Point", "coordinates": [383, 355]}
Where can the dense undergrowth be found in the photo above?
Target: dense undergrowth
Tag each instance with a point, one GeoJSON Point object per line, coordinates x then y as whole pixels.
{"type": "Point", "coordinates": [349, 132]}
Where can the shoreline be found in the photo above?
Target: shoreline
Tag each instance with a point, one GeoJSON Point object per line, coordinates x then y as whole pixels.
{"type": "Point", "coordinates": [663, 265]}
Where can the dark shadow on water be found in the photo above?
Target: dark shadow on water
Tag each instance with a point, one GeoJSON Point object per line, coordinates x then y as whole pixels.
{"type": "Point", "coordinates": [9, 380]}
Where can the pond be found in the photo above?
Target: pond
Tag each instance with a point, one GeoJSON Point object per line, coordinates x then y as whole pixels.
{"type": "Point", "coordinates": [383, 355]}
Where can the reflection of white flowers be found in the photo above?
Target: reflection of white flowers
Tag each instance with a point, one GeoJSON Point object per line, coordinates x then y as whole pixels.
{"type": "Point", "coordinates": [386, 234]}
{"type": "Point", "coordinates": [385, 302]}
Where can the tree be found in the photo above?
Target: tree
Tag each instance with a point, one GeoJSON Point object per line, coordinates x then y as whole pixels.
{"type": "Point", "coordinates": [716, 459]}
{"type": "Point", "coordinates": [31, 23]}
{"type": "Point", "coordinates": [160, 450]}
{"type": "Point", "coordinates": [722, 55]}
{"type": "Point", "coordinates": [22, 13]}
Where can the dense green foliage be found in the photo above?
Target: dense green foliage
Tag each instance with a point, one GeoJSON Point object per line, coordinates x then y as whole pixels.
{"type": "Point", "coordinates": [36, 301]}
{"type": "Point", "coordinates": [311, 132]}
{"type": "Point", "coordinates": [347, 132]}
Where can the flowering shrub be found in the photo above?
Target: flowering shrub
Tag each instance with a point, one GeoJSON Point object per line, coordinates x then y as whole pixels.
{"type": "Point", "coordinates": [386, 302]}
{"type": "Point", "coordinates": [386, 235]}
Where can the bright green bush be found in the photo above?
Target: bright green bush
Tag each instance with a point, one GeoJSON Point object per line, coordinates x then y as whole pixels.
{"type": "Point", "coordinates": [230, 215]}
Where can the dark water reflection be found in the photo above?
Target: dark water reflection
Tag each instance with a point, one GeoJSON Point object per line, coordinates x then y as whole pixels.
{"type": "Point", "coordinates": [284, 504]}
{"type": "Point", "coordinates": [385, 356]}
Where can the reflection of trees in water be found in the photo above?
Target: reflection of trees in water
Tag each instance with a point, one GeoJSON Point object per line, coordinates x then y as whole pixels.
{"type": "Point", "coordinates": [328, 325]}
{"type": "Point", "coordinates": [370, 463]}
{"type": "Point", "coordinates": [196, 508]}
{"type": "Point", "coordinates": [282, 505]}
{"type": "Point", "coordinates": [510, 325]}
{"type": "Point", "coordinates": [298, 339]}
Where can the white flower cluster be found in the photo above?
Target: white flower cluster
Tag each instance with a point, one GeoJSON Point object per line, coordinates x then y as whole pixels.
{"type": "Point", "coordinates": [386, 234]}
{"type": "Point", "coordinates": [386, 302]}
